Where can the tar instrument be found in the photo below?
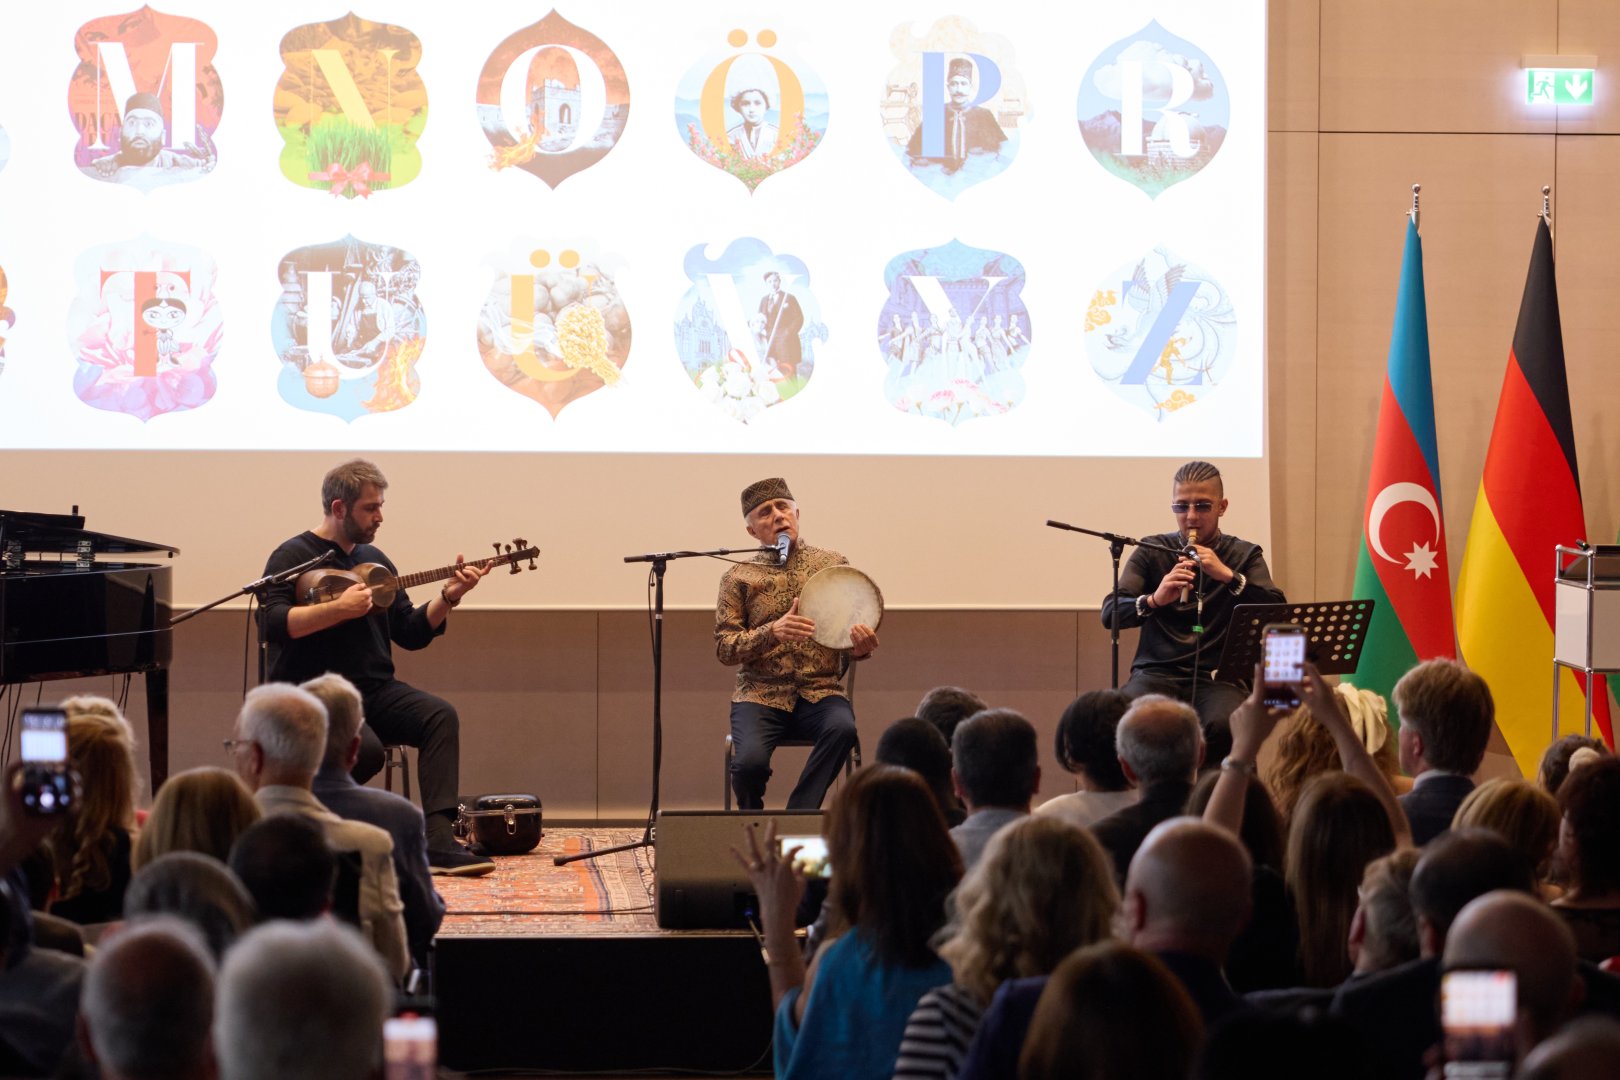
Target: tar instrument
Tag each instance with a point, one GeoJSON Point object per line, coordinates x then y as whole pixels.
{"type": "Point", "coordinates": [326, 583]}
{"type": "Point", "coordinates": [839, 598]}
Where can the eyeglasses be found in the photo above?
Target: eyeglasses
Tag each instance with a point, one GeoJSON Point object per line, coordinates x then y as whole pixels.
{"type": "Point", "coordinates": [231, 744]}
{"type": "Point", "coordinates": [1203, 506]}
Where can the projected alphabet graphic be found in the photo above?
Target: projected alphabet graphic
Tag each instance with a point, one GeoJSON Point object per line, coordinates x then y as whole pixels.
{"type": "Point", "coordinates": [1161, 332]}
{"type": "Point", "coordinates": [8, 318]}
{"type": "Point", "coordinates": [751, 114]}
{"type": "Point", "coordinates": [145, 99]}
{"type": "Point", "coordinates": [145, 327]}
{"type": "Point", "coordinates": [1153, 109]}
{"type": "Point", "coordinates": [350, 106]}
{"type": "Point", "coordinates": [349, 328]}
{"type": "Point", "coordinates": [954, 332]}
{"type": "Point", "coordinates": [552, 100]}
{"type": "Point", "coordinates": [951, 108]}
{"type": "Point", "coordinates": [746, 329]}
{"type": "Point", "coordinates": [555, 330]}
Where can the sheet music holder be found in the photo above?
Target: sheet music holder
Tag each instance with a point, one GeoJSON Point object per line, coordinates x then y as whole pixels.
{"type": "Point", "coordinates": [1335, 632]}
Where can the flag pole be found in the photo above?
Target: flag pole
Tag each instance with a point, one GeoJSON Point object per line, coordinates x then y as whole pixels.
{"type": "Point", "coordinates": [1413, 213]}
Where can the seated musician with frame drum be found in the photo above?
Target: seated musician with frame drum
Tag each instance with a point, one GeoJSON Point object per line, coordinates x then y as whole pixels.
{"type": "Point", "coordinates": [789, 686]}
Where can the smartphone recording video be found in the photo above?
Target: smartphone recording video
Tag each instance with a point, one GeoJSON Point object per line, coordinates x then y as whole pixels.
{"type": "Point", "coordinates": [1478, 1013]}
{"type": "Point", "coordinates": [46, 781]}
{"type": "Point", "coordinates": [812, 856]}
{"type": "Point", "coordinates": [1282, 663]}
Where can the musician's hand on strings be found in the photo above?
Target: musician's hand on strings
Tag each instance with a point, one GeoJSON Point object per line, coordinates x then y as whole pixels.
{"type": "Point", "coordinates": [864, 641]}
{"type": "Point", "coordinates": [354, 602]}
{"type": "Point", "coordinates": [465, 578]}
{"type": "Point", "coordinates": [793, 626]}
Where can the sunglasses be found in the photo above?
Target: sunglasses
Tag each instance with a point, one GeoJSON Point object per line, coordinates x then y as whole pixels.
{"type": "Point", "coordinates": [1203, 506]}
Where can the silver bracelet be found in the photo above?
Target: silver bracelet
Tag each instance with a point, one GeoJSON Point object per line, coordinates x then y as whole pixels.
{"type": "Point", "coordinates": [1141, 606]}
{"type": "Point", "coordinates": [1239, 583]}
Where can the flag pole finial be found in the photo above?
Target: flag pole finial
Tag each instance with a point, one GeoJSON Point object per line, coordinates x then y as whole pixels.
{"type": "Point", "coordinates": [1413, 213]}
{"type": "Point", "coordinates": [1546, 205]}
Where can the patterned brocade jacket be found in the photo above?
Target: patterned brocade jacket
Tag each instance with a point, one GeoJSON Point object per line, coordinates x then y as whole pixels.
{"type": "Point", "coordinates": [752, 596]}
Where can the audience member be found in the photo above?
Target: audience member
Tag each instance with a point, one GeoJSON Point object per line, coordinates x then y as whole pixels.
{"type": "Point", "coordinates": [1383, 932]}
{"type": "Point", "coordinates": [1042, 889]}
{"type": "Point", "coordinates": [202, 810]}
{"type": "Point", "coordinates": [304, 1000]}
{"type": "Point", "coordinates": [1111, 1012]}
{"type": "Point", "coordinates": [1339, 827]}
{"type": "Point", "coordinates": [1306, 748]}
{"type": "Point", "coordinates": [335, 787]}
{"type": "Point", "coordinates": [39, 988]}
{"type": "Point", "coordinates": [947, 706]}
{"type": "Point", "coordinates": [917, 745]}
{"type": "Point", "coordinates": [287, 867]}
{"type": "Point", "coordinates": [893, 866]}
{"type": "Point", "coordinates": [90, 848]}
{"type": "Point", "coordinates": [1447, 716]}
{"type": "Point", "coordinates": [1520, 812]}
{"type": "Point", "coordinates": [279, 742]}
{"type": "Point", "coordinates": [997, 772]}
{"type": "Point", "coordinates": [1514, 932]}
{"type": "Point", "coordinates": [1276, 1046]}
{"type": "Point", "coordinates": [148, 1004]}
{"type": "Point", "coordinates": [1555, 760]}
{"type": "Point", "coordinates": [1085, 747]}
{"type": "Point", "coordinates": [1586, 1049]}
{"type": "Point", "coordinates": [199, 890]}
{"type": "Point", "coordinates": [1160, 749]}
{"type": "Point", "coordinates": [1589, 852]}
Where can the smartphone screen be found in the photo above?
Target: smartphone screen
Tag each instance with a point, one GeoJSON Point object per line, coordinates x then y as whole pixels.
{"type": "Point", "coordinates": [1478, 1010]}
{"type": "Point", "coordinates": [45, 781]}
{"type": "Point", "coordinates": [1282, 663]}
{"type": "Point", "coordinates": [410, 1048]}
{"type": "Point", "coordinates": [812, 856]}
{"type": "Point", "coordinates": [44, 736]}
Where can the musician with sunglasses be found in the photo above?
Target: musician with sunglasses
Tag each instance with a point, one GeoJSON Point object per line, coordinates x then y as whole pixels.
{"type": "Point", "coordinates": [1165, 595]}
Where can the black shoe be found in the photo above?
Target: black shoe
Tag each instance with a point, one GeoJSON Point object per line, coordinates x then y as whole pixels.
{"type": "Point", "coordinates": [458, 862]}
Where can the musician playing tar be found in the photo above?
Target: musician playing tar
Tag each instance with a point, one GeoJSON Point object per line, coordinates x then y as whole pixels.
{"type": "Point", "coordinates": [347, 636]}
{"type": "Point", "coordinates": [789, 686]}
{"type": "Point", "coordinates": [1150, 596]}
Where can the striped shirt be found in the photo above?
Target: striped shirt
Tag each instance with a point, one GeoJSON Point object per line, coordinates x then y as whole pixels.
{"type": "Point", "coordinates": [938, 1034]}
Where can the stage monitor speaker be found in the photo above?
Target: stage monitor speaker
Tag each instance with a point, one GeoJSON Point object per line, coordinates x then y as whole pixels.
{"type": "Point", "coordinates": [698, 885]}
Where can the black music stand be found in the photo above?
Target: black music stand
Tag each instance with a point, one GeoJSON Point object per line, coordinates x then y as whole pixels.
{"type": "Point", "coordinates": [1335, 632]}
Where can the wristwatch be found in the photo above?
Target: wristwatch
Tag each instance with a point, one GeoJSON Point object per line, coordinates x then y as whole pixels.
{"type": "Point", "coordinates": [1142, 608]}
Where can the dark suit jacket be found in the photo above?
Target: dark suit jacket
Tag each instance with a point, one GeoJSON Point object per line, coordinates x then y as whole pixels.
{"type": "Point", "coordinates": [1432, 804]}
{"type": "Point", "coordinates": [424, 907]}
{"type": "Point", "coordinates": [1123, 831]}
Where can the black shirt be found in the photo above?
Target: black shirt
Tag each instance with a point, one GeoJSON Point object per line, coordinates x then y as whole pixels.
{"type": "Point", "coordinates": [357, 649]}
{"type": "Point", "coordinates": [1166, 644]}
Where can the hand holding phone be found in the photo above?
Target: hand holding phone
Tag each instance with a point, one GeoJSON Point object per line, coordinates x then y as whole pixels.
{"type": "Point", "coordinates": [1282, 663]}
{"type": "Point", "coordinates": [46, 784]}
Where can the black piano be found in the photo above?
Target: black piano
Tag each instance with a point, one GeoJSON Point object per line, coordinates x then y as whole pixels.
{"type": "Point", "coordinates": [72, 605]}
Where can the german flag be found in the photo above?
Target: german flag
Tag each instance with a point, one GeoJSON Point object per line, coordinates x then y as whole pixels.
{"type": "Point", "coordinates": [1529, 501]}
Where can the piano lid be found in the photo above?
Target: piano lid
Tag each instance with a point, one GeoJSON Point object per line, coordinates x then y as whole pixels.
{"type": "Point", "coordinates": [65, 534]}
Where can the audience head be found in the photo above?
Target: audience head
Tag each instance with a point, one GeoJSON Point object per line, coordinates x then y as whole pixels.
{"type": "Point", "coordinates": [301, 999]}
{"type": "Point", "coordinates": [202, 810]}
{"type": "Point", "coordinates": [947, 706]}
{"type": "Point", "coordinates": [1159, 741]}
{"type": "Point", "coordinates": [1586, 1049]}
{"type": "Point", "coordinates": [1513, 931]}
{"type": "Point", "coordinates": [344, 716]}
{"type": "Point", "coordinates": [1261, 1045]}
{"type": "Point", "coordinates": [1384, 932]}
{"type": "Point", "coordinates": [996, 760]}
{"type": "Point", "coordinates": [1555, 762]}
{"type": "Point", "coordinates": [1457, 867]}
{"type": "Point", "coordinates": [1521, 813]}
{"type": "Point", "coordinates": [1305, 748]}
{"type": "Point", "coordinates": [1588, 841]}
{"type": "Point", "coordinates": [148, 1003]}
{"type": "Point", "coordinates": [280, 736]}
{"type": "Point", "coordinates": [1446, 716]}
{"type": "Point", "coordinates": [893, 861]}
{"type": "Point", "coordinates": [1042, 889]}
{"type": "Point", "coordinates": [197, 889]}
{"type": "Point", "coordinates": [102, 750]}
{"type": "Point", "coordinates": [1085, 739]}
{"type": "Point", "coordinates": [1111, 1012]}
{"type": "Point", "coordinates": [1188, 889]}
{"type": "Point", "coordinates": [1339, 827]}
{"type": "Point", "coordinates": [287, 867]}
{"type": "Point", "coordinates": [1262, 829]}
{"type": "Point", "coordinates": [917, 745]}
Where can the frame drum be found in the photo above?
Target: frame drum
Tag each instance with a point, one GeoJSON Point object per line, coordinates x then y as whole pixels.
{"type": "Point", "coordinates": [838, 598]}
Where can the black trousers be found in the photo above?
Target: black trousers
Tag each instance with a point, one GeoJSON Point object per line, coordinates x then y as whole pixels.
{"type": "Point", "coordinates": [399, 714]}
{"type": "Point", "coordinates": [756, 730]}
{"type": "Point", "coordinates": [1216, 703]}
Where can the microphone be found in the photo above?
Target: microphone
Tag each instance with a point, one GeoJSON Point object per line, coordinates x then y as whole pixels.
{"type": "Point", "coordinates": [783, 542]}
{"type": "Point", "coordinates": [1192, 538]}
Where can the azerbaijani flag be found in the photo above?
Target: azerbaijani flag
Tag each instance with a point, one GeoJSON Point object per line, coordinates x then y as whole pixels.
{"type": "Point", "coordinates": [1402, 565]}
{"type": "Point", "coordinates": [1529, 501]}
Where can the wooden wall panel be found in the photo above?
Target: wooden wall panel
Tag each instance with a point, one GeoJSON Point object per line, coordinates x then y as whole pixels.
{"type": "Point", "coordinates": [1591, 28]}
{"type": "Point", "coordinates": [1293, 64]}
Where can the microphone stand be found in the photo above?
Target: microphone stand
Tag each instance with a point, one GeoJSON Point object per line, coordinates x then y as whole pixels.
{"type": "Point", "coordinates": [257, 588]}
{"type": "Point", "coordinates": [660, 561]}
{"type": "Point", "coordinates": [1116, 548]}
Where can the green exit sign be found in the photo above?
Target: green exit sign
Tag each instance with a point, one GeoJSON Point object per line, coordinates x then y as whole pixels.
{"type": "Point", "coordinates": [1559, 86]}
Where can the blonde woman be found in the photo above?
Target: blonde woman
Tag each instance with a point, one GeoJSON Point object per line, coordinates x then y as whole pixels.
{"type": "Point", "coordinates": [1043, 888]}
{"type": "Point", "coordinates": [90, 850]}
{"type": "Point", "coordinates": [202, 810]}
{"type": "Point", "coordinates": [1305, 749]}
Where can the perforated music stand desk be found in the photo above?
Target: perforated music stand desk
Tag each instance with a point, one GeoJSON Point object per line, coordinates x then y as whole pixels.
{"type": "Point", "coordinates": [1335, 631]}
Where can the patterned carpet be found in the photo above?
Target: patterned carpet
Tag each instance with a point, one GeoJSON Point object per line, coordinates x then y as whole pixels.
{"type": "Point", "coordinates": [528, 896]}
